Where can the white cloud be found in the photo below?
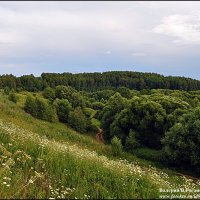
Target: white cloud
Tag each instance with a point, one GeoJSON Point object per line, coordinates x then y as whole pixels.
{"type": "Point", "coordinates": [57, 33]}
{"type": "Point", "coordinates": [184, 28]}
{"type": "Point", "coordinates": [138, 54]}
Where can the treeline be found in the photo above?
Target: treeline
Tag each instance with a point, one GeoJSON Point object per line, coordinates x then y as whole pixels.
{"type": "Point", "coordinates": [99, 81]}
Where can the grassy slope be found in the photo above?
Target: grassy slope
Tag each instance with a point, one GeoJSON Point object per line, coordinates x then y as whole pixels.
{"type": "Point", "coordinates": [41, 160]}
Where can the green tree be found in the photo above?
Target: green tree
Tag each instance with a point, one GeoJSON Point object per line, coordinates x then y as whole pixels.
{"type": "Point", "coordinates": [45, 111]}
{"type": "Point", "coordinates": [39, 108]}
{"type": "Point", "coordinates": [78, 120]}
{"type": "Point", "coordinates": [182, 141]}
{"type": "Point", "coordinates": [49, 94]}
{"type": "Point", "coordinates": [145, 117]}
{"type": "Point", "coordinates": [63, 108]}
{"type": "Point", "coordinates": [125, 92]}
{"type": "Point", "coordinates": [30, 105]}
{"type": "Point", "coordinates": [64, 92]}
{"type": "Point", "coordinates": [115, 104]}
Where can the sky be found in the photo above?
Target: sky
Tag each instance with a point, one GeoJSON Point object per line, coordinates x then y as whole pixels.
{"type": "Point", "coordinates": [161, 37]}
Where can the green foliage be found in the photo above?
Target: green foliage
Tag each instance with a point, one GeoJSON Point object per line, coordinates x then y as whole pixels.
{"type": "Point", "coordinates": [49, 94]}
{"type": "Point", "coordinates": [63, 108]}
{"type": "Point", "coordinates": [30, 105]}
{"type": "Point", "coordinates": [170, 103]}
{"type": "Point", "coordinates": [93, 128]}
{"type": "Point", "coordinates": [154, 155]}
{"type": "Point", "coordinates": [44, 110]}
{"type": "Point", "coordinates": [64, 92]}
{"type": "Point", "coordinates": [77, 100]}
{"type": "Point", "coordinates": [78, 120]}
{"type": "Point", "coordinates": [100, 81]}
{"type": "Point", "coordinates": [98, 105]}
{"type": "Point", "coordinates": [74, 97]}
{"type": "Point", "coordinates": [145, 117]}
{"type": "Point", "coordinates": [13, 97]}
{"type": "Point", "coordinates": [39, 108]}
{"type": "Point", "coordinates": [125, 92]}
{"type": "Point", "coordinates": [131, 141]}
{"type": "Point", "coordinates": [115, 104]}
{"type": "Point", "coordinates": [182, 141]}
{"type": "Point", "coordinates": [116, 145]}
{"type": "Point", "coordinates": [51, 159]}
{"type": "Point", "coordinates": [6, 90]}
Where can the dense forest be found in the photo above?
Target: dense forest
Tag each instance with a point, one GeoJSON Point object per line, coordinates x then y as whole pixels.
{"type": "Point", "coordinates": [99, 81]}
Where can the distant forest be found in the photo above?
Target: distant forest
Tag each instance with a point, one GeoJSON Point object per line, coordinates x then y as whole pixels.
{"type": "Point", "coordinates": [99, 81]}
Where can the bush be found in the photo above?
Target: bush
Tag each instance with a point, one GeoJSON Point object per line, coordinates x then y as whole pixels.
{"type": "Point", "coordinates": [78, 120]}
{"type": "Point", "coordinates": [30, 106]}
{"type": "Point", "coordinates": [40, 109]}
{"type": "Point", "coordinates": [45, 111]}
{"type": "Point", "coordinates": [13, 97]}
{"type": "Point", "coordinates": [93, 128]}
{"type": "Point", "coordinates": [182, 141]}
{"type": "Point", "coordinates": [150, 154]}
{"type": "Point", "coordinates": [6, 90]}
{"type": "Point", "coordinates": [131, 141]}
{"type": "Point", "coordinates": [49, 94]}
{"type": "Point", "coordinates": [116, 146]}
{"type": "Point", "coordinates": [63, 108]}
{"type": "Point", "coordinates": [64, 92]}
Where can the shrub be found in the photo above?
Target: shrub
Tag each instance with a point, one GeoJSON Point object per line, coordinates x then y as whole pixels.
{"type": "Point", "coordinates": [116, 146]}
{"type": "Point", "coordinates": [6, 90]}
{"type": "Point", "coordinates": [63, 108]}
{"type": "Point", "coordinates": [182, 141]}
{"type": "Point", "coordinates": [151, 154]}
{"type": "Point", "coordinates": [13, 97]}
{"type": "Point", "coordinates": [131, 141]}
{"type": "Point", "coordinates": [49, 94]}
{"type": "Point", "coordinates": [64, 92]}
{"type": "Point", "coordinates": [30, 105]}
{"type": "Point", "coordinates": [40, 109]}
{"type": "Point", "coordinates": [78, 120]}
{"type": "Point", "coordinates": [45, 111]}
{"type": "Point", "coordinates": [93, 128]}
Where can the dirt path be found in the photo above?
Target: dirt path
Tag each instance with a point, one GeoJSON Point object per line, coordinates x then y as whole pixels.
{"type": "Point", "coordinates": [99, 136]}
{"type": "Point", "coordinates": [187, 176]}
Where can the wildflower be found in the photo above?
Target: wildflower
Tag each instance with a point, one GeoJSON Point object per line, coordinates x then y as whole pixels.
{"type": "Point", "coordinates": [30, 181]}
{"type": "Point", "coordinates": [8, 185]}
{"type": "Point", "coordinates": [4, 183]}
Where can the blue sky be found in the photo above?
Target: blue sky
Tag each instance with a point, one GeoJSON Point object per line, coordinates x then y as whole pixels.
{"type": "Point", "coordinates": [161, 37]}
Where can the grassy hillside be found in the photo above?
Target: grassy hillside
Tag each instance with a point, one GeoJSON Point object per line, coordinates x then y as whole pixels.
{"type": "Point", "coordinates": [39, 159]}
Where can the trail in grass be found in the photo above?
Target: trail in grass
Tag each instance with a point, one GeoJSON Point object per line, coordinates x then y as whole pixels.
{"type": "Point", "coordinates": [99, 136]}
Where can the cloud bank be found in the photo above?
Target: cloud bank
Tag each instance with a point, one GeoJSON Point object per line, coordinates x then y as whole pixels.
{"type": "Point", "coordinates": [161, 37]}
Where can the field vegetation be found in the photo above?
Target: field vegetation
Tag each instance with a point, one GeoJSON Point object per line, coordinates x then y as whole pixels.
{"type": "Point", "coordinates": [111, 135]}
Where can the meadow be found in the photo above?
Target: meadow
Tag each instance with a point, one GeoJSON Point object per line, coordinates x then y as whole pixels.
{"type": "Point", "coordinates": [41, 159]}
